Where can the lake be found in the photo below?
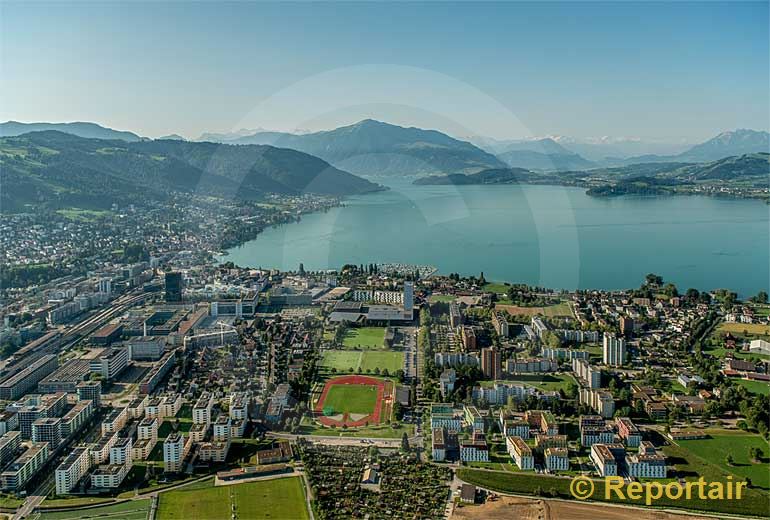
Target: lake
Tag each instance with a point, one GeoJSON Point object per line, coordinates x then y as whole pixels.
{"type": "Point", "coordinates": [550, 236]}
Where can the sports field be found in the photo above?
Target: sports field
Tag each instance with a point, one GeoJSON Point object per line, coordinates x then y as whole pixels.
{"type": "Point", "coordinates": [275, 498]}
{"type": "Point", "coordinates": [351, 399]}
{"type": "Point", "coordinates": [365, 338]}
{"type": "Point", "coordinates": [344, 360]}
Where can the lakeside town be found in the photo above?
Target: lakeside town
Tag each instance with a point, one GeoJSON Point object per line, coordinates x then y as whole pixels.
{"type": "Point", "coordinates": [155, 382]}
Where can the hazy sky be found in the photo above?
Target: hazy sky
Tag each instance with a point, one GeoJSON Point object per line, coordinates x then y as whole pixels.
{"type": "Point", "coordinates": [669, 70]}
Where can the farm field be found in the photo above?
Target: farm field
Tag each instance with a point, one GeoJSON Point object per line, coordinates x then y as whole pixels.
{"type": "Point", "coordinates": [351, 398]}
{"type": "Point", "coordinates": [746, 330]}
{"type": "Point", "coordinates": [716, 449]}
{"type": "Point", "coordinates": [364, 338]}
{"type": "Point", "coordinates": [344, 360]}
{"type": "Point", "coordinates": [131, 510]}
{"type": "Point", "coordinates": [250, 500]}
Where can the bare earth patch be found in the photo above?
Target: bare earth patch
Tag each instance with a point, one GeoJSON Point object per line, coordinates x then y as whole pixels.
{"type": "Point", "coordinates": [509, 508]}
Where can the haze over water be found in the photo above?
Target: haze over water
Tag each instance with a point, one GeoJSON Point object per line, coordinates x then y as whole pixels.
{"type": "Point", "coordinates": [550, 236]}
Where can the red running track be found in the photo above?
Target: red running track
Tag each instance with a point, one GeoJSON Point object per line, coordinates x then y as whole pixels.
{"type": "Point", "coordinates": [373, 418]}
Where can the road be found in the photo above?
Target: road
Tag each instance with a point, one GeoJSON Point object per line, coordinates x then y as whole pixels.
{"type": "Point", "coordinates": [34, 500]}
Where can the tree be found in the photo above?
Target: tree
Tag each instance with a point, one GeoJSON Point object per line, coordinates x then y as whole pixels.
{"type": "Point", "coordinates": [653, 279]}
{"type": "Point", "coordinates": [729, 460]}
{"type": "Point", "coordinates": [761, 297]}
{"type": "Point", "coordinates": [404, 442]}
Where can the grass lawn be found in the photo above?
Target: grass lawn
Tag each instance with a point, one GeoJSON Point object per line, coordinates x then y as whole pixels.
{"type": "Point", "coordinates": [280, 498]}
{"type": "Point", "coordinates": [756, 387]}
{"type": "Point", "coordinates": [351, 398]}
{"type": "Point", "coordinates": [365, 338]}
{"type": "Point", "coordinates": [210, 502]}
{"type": "Point", "coordinates": [716, 449]}
{"type": "Point", "coordinates": [545, 382]}
{"type": "Point", "coordinates": [441, 298]}
{"type": "Point", "coordinates": [384, 431]}
{"type": "Point", "coordinates": [131, 510]}
{"type": "Point", "coordinates": [344, 360]}
{"type": "Point", "coordinates": [391, 360]}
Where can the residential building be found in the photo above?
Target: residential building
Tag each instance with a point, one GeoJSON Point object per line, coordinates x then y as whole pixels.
{"type": "Point", "coordinates": [201, 412]}
{"type": "Point", "coordinates": [48, 430]}
{"type": "Point", "coordinates": [490, 363]}
{"type": "Point", "coordinates": [605, 462]}
{"type": "Point", "coordinates": [74, 467]}
{"type": "Point", "coordinates": [21, 470]}
{"type": "Point", "coordinates": [613, 350]}
{"type": "Point", "coordinates": [115, 420]}
{"type": "Point", "coordinates": [500, 324]}
{"type": "Point", "coordinates": [628, 431]}
{"type": "Point", "coordinates": [474, 450]}
{"type": "Point", "coordinates": [175, 449]}
{"type": "Point", "coordinates": [556, 459]}
{"type": "Point", "coordinates": [520, 452]}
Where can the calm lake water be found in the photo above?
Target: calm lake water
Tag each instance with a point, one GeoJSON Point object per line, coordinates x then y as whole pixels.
{"type": "Point", "coordinates": [550, 236]}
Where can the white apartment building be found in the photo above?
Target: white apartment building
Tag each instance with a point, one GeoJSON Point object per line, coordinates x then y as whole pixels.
{"type": "Point", "coordinates": [73, 468]}
{"type": "Point", "coordinates": [201, 412]}
{"type": "Point", "coordinates": [520, 453]}
{"type": "Point", "coordinates": [556, 459]}
{"type": "Point", "coordinates": [613, 350]}
{"type": "Point", "coordinates": [175, 449]}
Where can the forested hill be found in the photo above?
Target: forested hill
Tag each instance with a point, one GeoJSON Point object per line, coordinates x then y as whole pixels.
{"type": "Point", "coordinates": [60, 169]}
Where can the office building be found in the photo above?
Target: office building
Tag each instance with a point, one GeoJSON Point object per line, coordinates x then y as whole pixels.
{"type": "Point", "coordinates": [90, 391]}
{"type": "Point", "coordinates": [174, 286]}
{"type": "Point", "coordinates": [26, 379]}
{"type": "Point", "coordinates": [110, 363]}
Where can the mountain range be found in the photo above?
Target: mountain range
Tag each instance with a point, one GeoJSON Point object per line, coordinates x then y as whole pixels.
{"type": "Point", "coordinates": [61, 169]}
{"type": "Point", "coordinates": [91, 130]}
{"type": "Point", "coordinates": [374, 148]}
